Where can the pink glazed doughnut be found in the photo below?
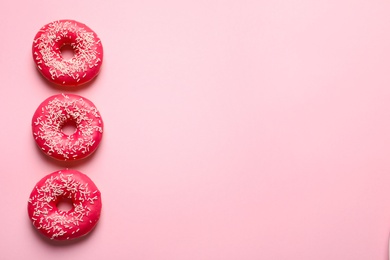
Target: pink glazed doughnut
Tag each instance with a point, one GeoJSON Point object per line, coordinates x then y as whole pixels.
{"type": "Point", "coordinates": [64, 185]}
{"type": "Point", "coordinates": [67, 109]}
{"type": "Point", "coordinates": [87, 47]}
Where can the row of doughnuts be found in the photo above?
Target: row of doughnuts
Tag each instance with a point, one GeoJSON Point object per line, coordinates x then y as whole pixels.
{"type": "Point", "coordinates": [48, 122]}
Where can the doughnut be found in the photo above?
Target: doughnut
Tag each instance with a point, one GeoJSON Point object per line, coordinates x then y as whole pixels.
{"type": "Point", "coordinates": [63, 185]}
{"type": "Point", "coordinates": [62, 110]}
{"type": "Point", "coordinates": [87, 47]}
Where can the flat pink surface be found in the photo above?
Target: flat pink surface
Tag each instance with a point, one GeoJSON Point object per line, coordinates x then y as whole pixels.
{"type": "Point", "coordinates": [233, 129]}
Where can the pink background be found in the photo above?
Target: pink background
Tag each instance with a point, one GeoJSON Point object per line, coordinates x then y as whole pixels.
{"type": "Point", "coordinates": [233, 129]}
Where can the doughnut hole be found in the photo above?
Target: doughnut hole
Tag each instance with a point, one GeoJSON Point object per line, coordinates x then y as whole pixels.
{"type": "Point", "coordinates": [67, 52]}
{"type": "Point", "coordinates": [64, 204]}
{"type": "Point", "coordinates": [69, 127]}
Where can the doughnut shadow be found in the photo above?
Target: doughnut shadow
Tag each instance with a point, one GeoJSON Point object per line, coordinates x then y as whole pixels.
{"type": "Point", "coordinates": [64, 88]}
{"type": "Point", "coordinates": [66, 164]}
{"type": "Point", "coordinates": [62, 243]}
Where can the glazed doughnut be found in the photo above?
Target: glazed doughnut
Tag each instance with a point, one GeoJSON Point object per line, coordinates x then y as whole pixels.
{"type": "Point", "coordinates": [66, 109]}
{"type": "Point", "coordinates": [87, 47]}
{"type": "Point", "coordinates": [62, 185]}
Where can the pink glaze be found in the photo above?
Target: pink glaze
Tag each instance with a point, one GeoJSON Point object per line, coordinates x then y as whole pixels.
{"type": "Point", "coordinates": [63, 225]}
{"type": "Point", "coordinates": [62, 109]}
{"type": "Point", "coordinates": [82, 67]}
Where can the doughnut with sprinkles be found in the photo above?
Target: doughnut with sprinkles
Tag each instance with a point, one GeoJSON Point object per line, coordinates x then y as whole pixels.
{"type": "Point", "coordinates": [67, 109]}
{"type": "Point", "coordinates": [59, 224]}
{"type": "Point", "coordinates": [82, 67]}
